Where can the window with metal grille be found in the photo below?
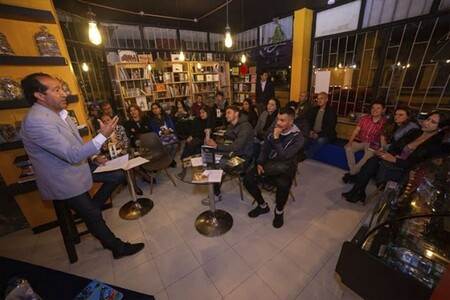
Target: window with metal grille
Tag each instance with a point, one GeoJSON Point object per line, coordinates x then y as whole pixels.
{"type": "Point", "coordinates": [194, 40]}
{"type": "Point", "coordinates": [216, 41]}
{"type": "Point", "coordinates": [160, 38]}
{"type": "Point", "coordinates": [246, 39]}
{"type": "Point", "coordinates": [121, 36]}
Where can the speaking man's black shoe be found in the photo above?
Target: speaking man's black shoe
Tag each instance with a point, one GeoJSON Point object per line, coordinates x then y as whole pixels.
{"type": "Point", "coordinates": [128, 249]}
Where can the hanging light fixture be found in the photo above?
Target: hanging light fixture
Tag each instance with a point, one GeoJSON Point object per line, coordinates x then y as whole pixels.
{"type": "Point", "coordinates": [228, 39]}
{"type": "Point", "coordinates": [243, 58]}
{"type": "Point", "coordinates": [94, 34]}
{"type": "Point", "coordinates": [85, 67]}
{"type": "Point", "coordinates": [181, 57]}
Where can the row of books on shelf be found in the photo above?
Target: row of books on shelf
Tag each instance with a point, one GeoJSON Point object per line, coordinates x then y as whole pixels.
{"type": "Point", "coordinates": [243, 70]}
{"type": "Point", "coordinates": [202, 88]}
{"type": "Point", "coordinates": [239, 98]}
{"type": "Point", "coordinates": [244, 87]}
{"type": "Point", "coordinates": [206, 77]}
{"type": "Point", "coordinates": [178, 90]}
{"type": "Point", "coordinates": [175, 77]}
{"type": "Point", "coordinates": [134, 73]}
{"type": "Point", "coordinates": [26, 169]}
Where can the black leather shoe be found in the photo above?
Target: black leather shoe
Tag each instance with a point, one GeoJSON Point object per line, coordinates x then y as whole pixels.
{"type": "Point", "coordinates": [349, 178]}
{"type": "Point", "coordinates": [128, 249]}
{"type": "Point", "coordinates": [348, 194]}
{"type": "Point", "coordinates": [357, 197]}
{"type": "Point", "coordinates": [258, 210]}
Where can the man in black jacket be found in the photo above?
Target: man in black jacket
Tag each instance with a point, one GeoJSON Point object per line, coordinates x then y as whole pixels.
{"type": "Point", "coordinates": [264, 91]}
{"type": "Point", "coordinates": [322, 119]}
{"type": "Point", "coordinates": [280, 150]}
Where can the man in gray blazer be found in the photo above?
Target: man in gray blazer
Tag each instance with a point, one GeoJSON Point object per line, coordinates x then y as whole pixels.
{"type": "Point", "coordinates": [60, 158]}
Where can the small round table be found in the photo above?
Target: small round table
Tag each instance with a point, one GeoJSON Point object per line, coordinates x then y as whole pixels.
{"type": "Point", "coordinates": [136, 207]}
{"type": "Point", "coordinates": [213, 222]}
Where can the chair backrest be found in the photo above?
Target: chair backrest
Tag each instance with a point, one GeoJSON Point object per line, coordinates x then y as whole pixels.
{"type": "Point", "coordinates": [152, 145]}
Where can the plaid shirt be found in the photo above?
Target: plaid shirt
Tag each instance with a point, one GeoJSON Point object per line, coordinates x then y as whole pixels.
{"type": "Point", "coordinates": [370, 131]}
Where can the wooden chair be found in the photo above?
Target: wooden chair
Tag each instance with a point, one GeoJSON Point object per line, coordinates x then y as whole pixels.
{"type": "Point", "coordinates": [153, 150]}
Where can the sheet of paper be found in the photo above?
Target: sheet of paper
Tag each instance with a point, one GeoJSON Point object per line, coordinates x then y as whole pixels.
{"type": "Point", "coordinates": [196, 161]}
{"type": "Point", "coordinates": [214, 175]}
{"type": "Point", "coordinates": [137, 161]}
{"type": "Point", "coordinates": [115, 164]}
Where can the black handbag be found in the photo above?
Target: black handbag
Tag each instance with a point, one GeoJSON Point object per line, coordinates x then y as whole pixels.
{"type": "Point", "coordinates": [388, 171]}
{"type": "Point", "coordinates": [277, 168]}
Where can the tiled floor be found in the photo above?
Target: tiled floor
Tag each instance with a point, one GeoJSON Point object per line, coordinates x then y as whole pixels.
{"type": "Point", "coordinates": [251, 261]}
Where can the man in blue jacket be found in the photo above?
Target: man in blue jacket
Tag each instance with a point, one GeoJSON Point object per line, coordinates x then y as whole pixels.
{"type": "Point", "coordinates": [280, 151]}
{"type": "Point", "coordinates": [59, 158]}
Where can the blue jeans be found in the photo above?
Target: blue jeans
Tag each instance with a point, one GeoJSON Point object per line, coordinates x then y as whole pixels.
{"type": "Point", "coordinates": [315, 147]}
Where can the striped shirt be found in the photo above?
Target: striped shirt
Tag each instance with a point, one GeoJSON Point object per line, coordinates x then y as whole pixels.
{"type": "Point", "coordinates": [370, 131]}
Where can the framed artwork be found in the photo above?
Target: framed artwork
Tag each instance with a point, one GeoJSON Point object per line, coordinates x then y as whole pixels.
{"type": "Point", "coordinates": [145, 58]}
{"type": "Point", "coordinates": [177, 67]}
{"type": "Point", "coordinates": [175, 57]}
{"type": "Point", "coordinates": [128, 56]}
{"type": "Point", "coordinates": [73, 116]}
{"type": "Point", "coordinates": [142, 103]}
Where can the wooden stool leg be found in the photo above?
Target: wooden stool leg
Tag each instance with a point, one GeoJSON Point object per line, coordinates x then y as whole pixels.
{"type": "Point", "coordinates": [66, 225]}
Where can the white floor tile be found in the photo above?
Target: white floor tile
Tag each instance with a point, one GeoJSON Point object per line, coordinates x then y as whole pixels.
{"type": "Point", "coordinates": [284, 277]}
{"type": "Point", "coordinates": [314, 291]}
{"type": "Point", "coordinates": [206, 248]}
{"type": "Point", "coordinates": [227, 271]}
{"type": "Point", "coordinates": [163, 239]}
{"type": "Point", "coordinates": [145, 279]}
{"type": "Point", "coordinates": [253, 288]}
{"type": "Point", "coordinates": [176, 263]}
{"type": "Point", "coordinates": [255, 250]}
{"type": "Point", "coordinates": [195, 285]}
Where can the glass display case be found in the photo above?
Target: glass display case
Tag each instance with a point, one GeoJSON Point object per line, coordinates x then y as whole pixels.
{"type": "Point", "coordinates": [405, 243]}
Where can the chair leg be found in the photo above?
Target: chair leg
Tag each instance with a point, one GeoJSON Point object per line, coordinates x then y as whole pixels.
{"type": "Point", "coordinates": [66, 225]}
{"type": "Point", "coordinates": [170, 177]}
{"type": "Point", "coordinates": [239, 180]}
{"type": "Point", "coordinates": [292, 195]}
{"type": "Point", "coordinates": [151, 183]}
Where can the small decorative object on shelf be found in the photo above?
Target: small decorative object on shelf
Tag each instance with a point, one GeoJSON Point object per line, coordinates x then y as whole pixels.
{"type": "Point", "coordinates": [5, 48]}
{"type": "Point", "coordinates": [8, 134]}
{"type": "Point", "coordinates": [46, 43]}
{"type": "Point", "coordinates": [10, 89]}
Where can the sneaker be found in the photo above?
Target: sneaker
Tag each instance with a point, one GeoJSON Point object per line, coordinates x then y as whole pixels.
{"type": "Point", "coordinates": [128, 249]}
{"type": "Point", "coordinates": [278, 220]}
{"type": "Point", "coordinates": [258, 210]}
{"type": "Point", "coordinates": [217, 198]}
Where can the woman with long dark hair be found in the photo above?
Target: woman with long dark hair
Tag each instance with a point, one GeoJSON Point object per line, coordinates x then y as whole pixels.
{"type": "Point", "coordinates": [163, 126]}
{"type": "Point", "coordinates": [180, 115]}
{"type": "Point", "coordinates": [402, 122]}
{"type": "Point", "coordinates": [197, 134]}
{"type": "Point", "coordinates": [137, 124]}
{"type": "Point", "coordinates": [249, 110]}
{"type": "Point", "coordinates": [392, 165]}
{"type": "Point", "coordinates": [267, 118]}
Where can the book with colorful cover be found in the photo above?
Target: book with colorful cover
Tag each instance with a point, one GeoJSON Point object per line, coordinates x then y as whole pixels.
{"type": "Point", "coordinates": [97, 290]}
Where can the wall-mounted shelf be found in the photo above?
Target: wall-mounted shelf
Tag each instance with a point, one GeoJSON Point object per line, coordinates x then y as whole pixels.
{"type": "Point", "coordinates": [13, 60]}
{"type": "Point", "coordinates": [18, 144]}
{"type": "Point", "coordinates": [22, 103]}
{"type": "Point", "coordinates": [21, 188]}
{"type": "Point", "coordinates": [26, 14]}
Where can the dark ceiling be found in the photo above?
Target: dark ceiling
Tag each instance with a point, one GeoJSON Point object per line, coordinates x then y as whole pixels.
{"type": "Point", "coordinates": [242, 14]}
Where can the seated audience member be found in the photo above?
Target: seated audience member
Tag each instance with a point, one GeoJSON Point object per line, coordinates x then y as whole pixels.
{"type": "Point", "coordinates": [118, 138]}
{"type": "Point", "coordinates": [239, 140]}
{"type": "Point", "coordinates": [392, 165]}
{"type": "Point", "coordinates": [303, 105]}
{"type": "Point", "coordinates": [322, 120]}
{"type": "Point", "coordinates": [94, 115]}
{"type": "Point", "coordinates": [267, 119]}
{"type": "Point", "coordinates": [163, 126]}
{"type": "Point", "coordinates": [280, 150]}
{"type": "Point", "coordinates": [398, 126]}
{"type": "Point", "coordinates": [137, 124]}
{"type": "Point", "coordinates": [106, 108]}
{"type": "Point", "coordinates": [195, 108]}
{"type": "Point", "coordinates": [179, 115]}
{"type": "Point", "coordinates": [366, 135]}
{"type": "Point", "coordinates": [196, 137]}
{"type": "Point", "coordinates": [249, 110]}
{"type": "Point", "coordinates": [219, 108]}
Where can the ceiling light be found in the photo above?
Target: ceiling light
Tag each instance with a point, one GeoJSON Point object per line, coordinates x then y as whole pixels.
{"type": "Point", "coordinates": [182, 57]}
{"type": "Point", "coordinates": [330, 2]}
{"type": "Point", "coordinates": [243, 58]}
{"type": "Point", "coordinates": [94, 34]}
{"type": "Point", "coordinates": [85, 67]}
{"type": "Point", "coordinates": [228, 39]}
{"type": "Point", "coordinates": [199, 66]}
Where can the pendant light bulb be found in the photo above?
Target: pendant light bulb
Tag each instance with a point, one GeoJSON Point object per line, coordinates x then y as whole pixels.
{"type": "Point", "coordinates": [243, 59]}
{"type": "Point", "coordinates": [182, 57]}
{"type": "Point", "coordinates": [85, 67]}
{"type": "Point", "coordinates": [94, 34]}
{"type": "Point", "coordinates": [199, 66]}
{"type": "Point", "coordinates": [149, 67]}
{"type": "Point", "coordinates": [228, 39]}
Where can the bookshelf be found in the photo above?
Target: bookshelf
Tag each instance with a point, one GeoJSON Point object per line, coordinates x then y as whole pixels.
{"type": "Point", "coordinates": [164, 83]}
{"type": "Point", "coordinates": [244, 83]}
